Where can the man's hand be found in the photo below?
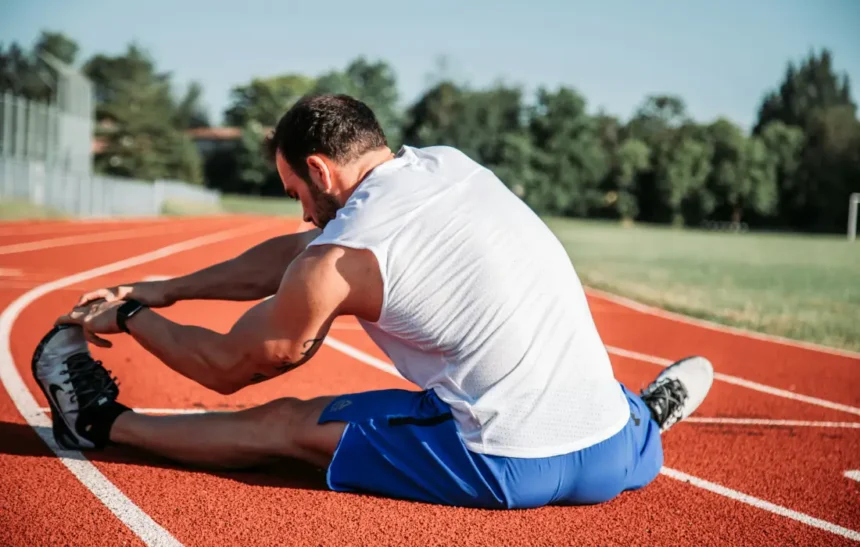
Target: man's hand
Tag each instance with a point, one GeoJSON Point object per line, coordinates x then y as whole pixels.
{"type": "Point", "coordinates": [98, 317]}
{"type": "Point", "coordinates": [153, 294]}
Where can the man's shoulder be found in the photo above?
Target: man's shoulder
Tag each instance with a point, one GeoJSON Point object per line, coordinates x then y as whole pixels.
{"type": "Point", "coordinates": [351, 271]}
{"type": "Point", "coordinates": [344, 260]}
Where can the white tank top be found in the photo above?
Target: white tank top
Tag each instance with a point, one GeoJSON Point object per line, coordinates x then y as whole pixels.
{"type": "Point", "coordinates": [482, 305]}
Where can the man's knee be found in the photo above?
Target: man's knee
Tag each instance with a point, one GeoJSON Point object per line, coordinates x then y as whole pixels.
{"type": "Point", "coordinates": [294, 422]}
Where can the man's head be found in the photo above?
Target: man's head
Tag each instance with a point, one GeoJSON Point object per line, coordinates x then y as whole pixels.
{"type": "Point", "coordinates": [323, 146]}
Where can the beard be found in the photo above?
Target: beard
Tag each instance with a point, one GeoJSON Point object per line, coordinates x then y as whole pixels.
{"type": "Point", "coordinates": [326, 206]}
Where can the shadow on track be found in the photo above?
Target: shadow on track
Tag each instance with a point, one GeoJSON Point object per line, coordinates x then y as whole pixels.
{"type": "Point", "coordinates": [19, 439]}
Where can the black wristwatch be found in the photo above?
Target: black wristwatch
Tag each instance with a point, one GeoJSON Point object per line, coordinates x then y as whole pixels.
{"type": "Point", "coordinates": [126, 311]}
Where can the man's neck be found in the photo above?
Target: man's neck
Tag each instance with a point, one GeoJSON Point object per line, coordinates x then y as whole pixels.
{"type": "Point", "coordinates": [359, 169]}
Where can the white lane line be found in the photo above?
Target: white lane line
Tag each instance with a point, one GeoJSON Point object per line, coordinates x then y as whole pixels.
{"type": "Point", "coordinates": [761, 504]}
{"type": "Point", "coordinates": [88, 238]}
{"type": "Point", "coordinates": [855, 475]}
{"type": "Point", "coordinates": [651, 310]}
{"type": "Point", "coordinates": [710, 486]}
{"type": "Point", "coordinates": [156, 278]}
{"type": "Point", "coordinates": [778, 423]}
{"type": "Point", "coordinates": [740, 382]}
{"type": "Point", "coordinates": [125, 510]}
{"type": "Point", "coordinates": [356, 353]}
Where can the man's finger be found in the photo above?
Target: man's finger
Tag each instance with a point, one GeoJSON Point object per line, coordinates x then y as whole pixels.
{"type": "Point", "coordinates": [67, 319]}
{"type": "Point", "coordinates": [94, 295]}
{"type": "Point", "coordinates": [96, 340]}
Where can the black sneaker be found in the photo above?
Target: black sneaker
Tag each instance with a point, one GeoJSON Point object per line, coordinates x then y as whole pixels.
{"type": "Point", "coordinates": [82, 394]}
{"type": "Point", "coordinates": [678, 391]}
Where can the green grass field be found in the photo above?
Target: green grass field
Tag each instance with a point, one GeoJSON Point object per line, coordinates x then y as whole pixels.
{"type": "Point", "coordinates": [798, 286]}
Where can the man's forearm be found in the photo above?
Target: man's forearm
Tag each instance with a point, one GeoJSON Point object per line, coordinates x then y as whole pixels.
{"type": "Point", "coordinates": [252, 275]}
{"type": "Point", "coordinates": [194, 352]}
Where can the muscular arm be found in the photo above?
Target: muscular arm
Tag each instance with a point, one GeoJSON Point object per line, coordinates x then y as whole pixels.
{"type": "Point", "coordinates": [274, 336]}
{"type": "Point", "coordinates": [252, 275]}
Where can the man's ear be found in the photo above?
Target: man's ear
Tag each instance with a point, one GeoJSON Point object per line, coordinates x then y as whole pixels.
{"type": "Point", "coordinates": [320, 173]}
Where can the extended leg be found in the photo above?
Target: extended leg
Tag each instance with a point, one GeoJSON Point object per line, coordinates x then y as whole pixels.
{"type": "Point", "coordinates": [229, 440]}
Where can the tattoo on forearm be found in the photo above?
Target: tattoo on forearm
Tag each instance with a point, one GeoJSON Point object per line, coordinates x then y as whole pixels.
{"type": "Point", "coordinates": [310, 348]}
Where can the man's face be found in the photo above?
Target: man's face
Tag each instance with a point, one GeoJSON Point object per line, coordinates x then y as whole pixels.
{"type": "Point", "coordinates": [318, 207]}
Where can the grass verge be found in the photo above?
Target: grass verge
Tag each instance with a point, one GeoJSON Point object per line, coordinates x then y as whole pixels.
{"type": "Point", "coordinates": [234, 204]}
{"type": "Point", "coordinates": [14, 209]}
{"type": "Point", "coordinates": [251, 205]}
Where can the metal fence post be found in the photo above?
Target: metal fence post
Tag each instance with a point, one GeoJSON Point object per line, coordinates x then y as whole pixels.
{"type": "Point", "coordinates": [852, 215]}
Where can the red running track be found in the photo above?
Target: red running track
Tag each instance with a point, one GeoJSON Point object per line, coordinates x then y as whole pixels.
{"type": "Point", "coordinates": [759, 482]}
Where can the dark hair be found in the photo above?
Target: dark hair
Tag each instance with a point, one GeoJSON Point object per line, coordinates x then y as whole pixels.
{"type": "Point", "coordinates": [339, 126]}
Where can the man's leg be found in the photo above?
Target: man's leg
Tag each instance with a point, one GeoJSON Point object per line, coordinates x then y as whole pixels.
{"type": "Point", "coordinates": [283, 428]}
{"type": "Point", "coordinates": [86, 415]}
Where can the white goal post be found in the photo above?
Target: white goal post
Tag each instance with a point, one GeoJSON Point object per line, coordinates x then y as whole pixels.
{"type": "Point", "coordinates": [852, 215]}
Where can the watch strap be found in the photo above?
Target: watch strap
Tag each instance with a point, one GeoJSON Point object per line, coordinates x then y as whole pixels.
{"type": "Point", "coordinates": [126, 311]}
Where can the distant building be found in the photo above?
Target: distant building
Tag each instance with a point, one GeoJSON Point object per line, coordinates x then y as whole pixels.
{"type": "Point", "coordinates": [214, 139]}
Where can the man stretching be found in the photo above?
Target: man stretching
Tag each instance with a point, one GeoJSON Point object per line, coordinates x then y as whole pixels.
{"type": "Point", "coordinates": [461, 285]}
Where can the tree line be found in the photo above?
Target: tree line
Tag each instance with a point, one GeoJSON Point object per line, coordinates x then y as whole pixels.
{"type": "Point", "coordinates": [794, 170]}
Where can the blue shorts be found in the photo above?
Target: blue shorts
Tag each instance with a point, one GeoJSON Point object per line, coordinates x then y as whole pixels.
{"type": "Point", "coordinates": [405, 445]}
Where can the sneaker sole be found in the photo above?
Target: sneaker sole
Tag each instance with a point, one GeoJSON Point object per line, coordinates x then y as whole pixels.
{"type": "Point", "coordinates": [62, 433]}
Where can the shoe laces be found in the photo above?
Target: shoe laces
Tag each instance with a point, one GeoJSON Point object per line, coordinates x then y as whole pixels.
{"type": "Point", "coordinates": [90, 381]}
{"type": "Point", "coordinates": [666, 400]}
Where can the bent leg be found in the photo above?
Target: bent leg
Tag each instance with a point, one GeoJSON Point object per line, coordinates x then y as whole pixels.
{"type": "Point", "coordinates": [283, 428]}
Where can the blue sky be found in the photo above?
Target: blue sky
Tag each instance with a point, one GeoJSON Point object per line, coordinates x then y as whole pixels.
{"type": "Point", "coordinates": [721, 56]}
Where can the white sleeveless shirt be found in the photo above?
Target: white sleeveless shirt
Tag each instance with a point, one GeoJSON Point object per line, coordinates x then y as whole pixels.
{"type": "Point", "coordinates": [482, 305]}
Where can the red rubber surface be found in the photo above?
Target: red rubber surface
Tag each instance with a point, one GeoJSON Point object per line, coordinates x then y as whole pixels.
{"type": "Point", "coordinates": [42, 503]}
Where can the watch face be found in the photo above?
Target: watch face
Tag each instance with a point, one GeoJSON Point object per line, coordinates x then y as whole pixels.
{"type": "Point", "coordinates": [126, 311]}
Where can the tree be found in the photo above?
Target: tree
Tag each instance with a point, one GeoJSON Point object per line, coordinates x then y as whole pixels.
{"type": "Point", "coordinates": [26, 74]}
{"type": "Point", "coordinates": [656, 116]}
{"type": "Point", "coordinates": [809, 88]}
{"type": "Point", "coordinates": [743, 174]}
{"type": "Point", "coordinates": [830, 170]}
{"type": "Point", "coordinates": [568, 155]}
{"type": "Point", "coordinates": [681, 167]}
{"type": "Point", "coordinates": [265, 100]}
{"type": "Point", "coordinates": [817, 101]}
{"type": "Point", "coordinates": [190, 114]}
{"type": "Point", "coordinates": [58, 45]}
{"type": "Point", "coordinates": [253, 169]}
{"type": "Point", "coordinates": [375, 84]}
{"type": "Point", "coordinates": [433, 119]}
{"type": "Point", "coordinates": [629, 160]}
{"type": "Point", "coordinates": [487, 125]}
{"type": "Point", "coordinates": [137, 115]}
